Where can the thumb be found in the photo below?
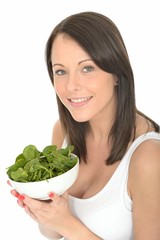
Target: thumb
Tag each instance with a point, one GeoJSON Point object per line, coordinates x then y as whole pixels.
{"type": "Point", "coordinates": [65, 195]}
{"type": "Point", "coordinates": [54, 197]}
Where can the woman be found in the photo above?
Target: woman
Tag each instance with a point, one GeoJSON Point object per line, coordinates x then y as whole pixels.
{"type": "Point", "coordinates": [117, 193]}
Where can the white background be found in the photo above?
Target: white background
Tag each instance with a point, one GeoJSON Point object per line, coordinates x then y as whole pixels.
{"type": "Point", "coordinates": [27, 101]}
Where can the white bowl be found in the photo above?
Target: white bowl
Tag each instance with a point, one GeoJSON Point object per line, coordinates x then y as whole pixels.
{"type": "Point", "coordinates": [40, 189]}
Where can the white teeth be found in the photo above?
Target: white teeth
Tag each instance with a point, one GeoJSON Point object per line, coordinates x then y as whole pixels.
{"type": "Point", "coordinates": [78, 100]}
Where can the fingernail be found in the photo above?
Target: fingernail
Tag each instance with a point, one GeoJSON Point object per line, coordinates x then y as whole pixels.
{"type": "Point", "coordinates": [21, 197]}
{"type": "Point", "coordinates": [9, 183]}
{"type": "Point", "coordinates": [51, 195]}
{"type": "Point", "coordinates": [17, 195]}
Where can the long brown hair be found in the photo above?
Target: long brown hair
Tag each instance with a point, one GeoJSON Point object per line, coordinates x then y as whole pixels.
{"type": "Point", "coordinates": [101, 39]}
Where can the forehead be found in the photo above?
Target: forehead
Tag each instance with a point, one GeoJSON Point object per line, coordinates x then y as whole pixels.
{"type": "Point", "coordinates": [66, 47]}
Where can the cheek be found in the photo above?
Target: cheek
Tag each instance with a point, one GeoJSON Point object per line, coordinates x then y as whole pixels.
{"type": "Point", "coordinates": [61, 92]}
{"type": "Point", "coordinates": [106, 87]}
{"type": "Point", "coordinates": [59, 88]}
{"type": "Point", "coordinates": [106, 93]}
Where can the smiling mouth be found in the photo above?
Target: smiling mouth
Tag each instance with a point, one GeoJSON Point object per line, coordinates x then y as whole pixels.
{"type": "Point", "coordinates": [79, 100]}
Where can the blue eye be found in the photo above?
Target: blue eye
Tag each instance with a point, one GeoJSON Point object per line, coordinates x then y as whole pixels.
{"type": "Point", "coordinates": [60, 72]}
{"type": "Point", "coordinates": [88, 69]}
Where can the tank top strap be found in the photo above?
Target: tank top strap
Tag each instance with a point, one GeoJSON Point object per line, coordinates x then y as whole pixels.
{"type": "Point", "coordinates": [64, 144]}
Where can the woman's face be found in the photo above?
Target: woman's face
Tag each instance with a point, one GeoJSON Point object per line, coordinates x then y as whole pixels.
{"type": "Point", "coordinates": [85, 89]}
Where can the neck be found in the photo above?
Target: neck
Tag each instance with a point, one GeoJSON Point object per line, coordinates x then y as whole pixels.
{"type": "Point", "coordinates": [100, 129]}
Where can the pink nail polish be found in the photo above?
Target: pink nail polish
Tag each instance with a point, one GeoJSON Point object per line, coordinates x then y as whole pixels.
{"type": "Point", "coordinates": [17, 195]}
{"type": "Point", "coordinates": [9, 183]}
{"type": "Point", "coordinates": [51, 195]}
{"type": "Point", "coordinates": [21, 197]}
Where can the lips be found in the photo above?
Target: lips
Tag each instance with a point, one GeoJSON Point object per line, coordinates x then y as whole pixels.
{"type": "Point", "coordinates": [79, 102]}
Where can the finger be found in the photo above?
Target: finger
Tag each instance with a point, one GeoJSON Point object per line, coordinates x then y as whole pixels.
{"type": "Point", "coordinates": [57, 198]}
{"type": "Point", "coordinates": [36, 209]}
{"type": "Point", "coordinates": [9, 183]}
{"type": "Point", "coordinates": [28, 211]}
{"type": "Point", "coordinates": [15, 193]}
{"type": "Point", "coordinates": [54, 197]}
{"type": "Point", "coordinates": [33, 204]}
{"type": "Point", "coordinates": [20, 203]}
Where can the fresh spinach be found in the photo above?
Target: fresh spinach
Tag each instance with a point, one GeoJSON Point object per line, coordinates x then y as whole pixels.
{"type": "Point", "coordinates": [33, 165]}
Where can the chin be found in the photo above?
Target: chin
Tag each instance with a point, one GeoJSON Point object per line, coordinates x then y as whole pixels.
{"type": "Point", "coordinates": [80, 119]}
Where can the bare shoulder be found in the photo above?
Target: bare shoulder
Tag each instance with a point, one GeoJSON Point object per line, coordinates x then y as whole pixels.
{"type": "Point", "coordinates": [144, 189]}
{"type": "Point", "coordinates": [145, 161]}
{"type": "Point", "coordinates": [57, 134]}
{"type": "Point", "coordinates": [147, 155]}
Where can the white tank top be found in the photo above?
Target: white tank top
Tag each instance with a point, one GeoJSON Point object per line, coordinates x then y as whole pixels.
{"type": "Point", "coordinates": [108, 214]}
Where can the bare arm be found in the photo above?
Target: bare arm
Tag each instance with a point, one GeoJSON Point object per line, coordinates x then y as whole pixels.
{"type": "Point", "coordinates": [74, 231]}
{"type": "Point", "coordinates": [49, 234]}
{"type": "Point", "coordinates": [57, 135]}
{"type": "Point", "coordinates": [56, 220]}
{"type": "Point", "coordinates": [145, 190]}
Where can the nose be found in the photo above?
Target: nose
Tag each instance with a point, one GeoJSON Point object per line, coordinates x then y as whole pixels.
{"type": "Point", "coordinates": [74, 82]}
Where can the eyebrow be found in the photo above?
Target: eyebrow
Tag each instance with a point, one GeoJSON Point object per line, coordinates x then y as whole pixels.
{"type": "Point", "coordinates": [89, 59]}
{"type": "Point", "coordinates": [59, 64]}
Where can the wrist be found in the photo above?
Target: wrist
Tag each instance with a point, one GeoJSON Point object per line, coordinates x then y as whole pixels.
{"type": "Point", "coordinates": [76, 230]}
{"type": "Point", "coordinates": [49, 234]}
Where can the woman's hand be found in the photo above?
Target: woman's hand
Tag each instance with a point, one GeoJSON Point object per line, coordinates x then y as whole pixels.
{"type": "Point", "coordinates": [51, 214]}
{"type": "Point", "coordinates": [54, 217]}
